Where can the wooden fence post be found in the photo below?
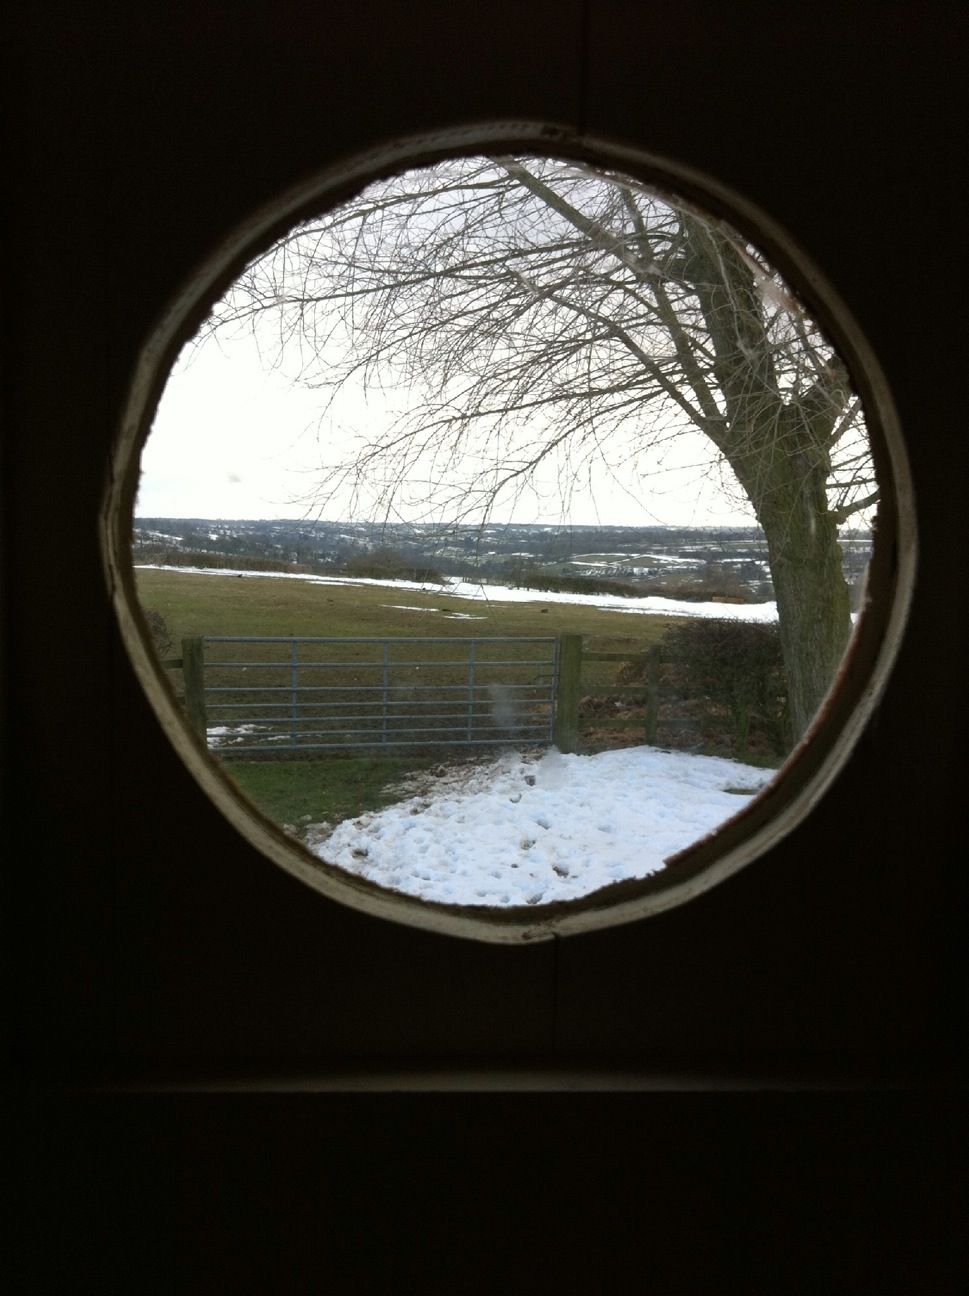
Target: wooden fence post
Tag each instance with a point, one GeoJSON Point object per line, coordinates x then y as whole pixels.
{"type": "Point", "coordinates": [568, 686]}
{"type": "Point", "coordinates": [193, 677]}
{"type": "Point", "coordinates": [653, 660]}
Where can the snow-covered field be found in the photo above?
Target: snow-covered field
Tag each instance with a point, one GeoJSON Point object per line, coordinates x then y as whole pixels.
{"type": "Point", "coordinates": [528, 830]}
{"type": "Point", "coordinates": [455, 587]}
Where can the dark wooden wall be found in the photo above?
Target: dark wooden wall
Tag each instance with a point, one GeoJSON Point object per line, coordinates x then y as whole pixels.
{"type": "Point", "coordinates": [790, 1036]}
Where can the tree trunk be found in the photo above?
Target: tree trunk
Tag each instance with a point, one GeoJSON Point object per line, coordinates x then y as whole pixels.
{"type": "Point", "coordinates": [778, 449]}
{"type": "Point", "coordinates": [812, 596]}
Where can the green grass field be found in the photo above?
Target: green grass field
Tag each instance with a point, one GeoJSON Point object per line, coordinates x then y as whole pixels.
{"type": "Point", "coordinates": [261, 605]}
{"type": "Point", "coordinates": [338, 786]}
{"type": "Point", "coordinates": [297, 793]}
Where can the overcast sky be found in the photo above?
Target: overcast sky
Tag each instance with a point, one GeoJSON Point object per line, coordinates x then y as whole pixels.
{"type": "Point", "coordinates": [236, 437]}
{"type": "Point", "coordinates": [233, 438]}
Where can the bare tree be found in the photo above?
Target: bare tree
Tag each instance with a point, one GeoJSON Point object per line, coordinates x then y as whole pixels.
{"type": "Point", "coordinates": [542, 308]}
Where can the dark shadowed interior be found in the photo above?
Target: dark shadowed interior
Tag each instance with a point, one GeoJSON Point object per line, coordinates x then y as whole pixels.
{"type": "Point", "coordinates": [224, 1081]}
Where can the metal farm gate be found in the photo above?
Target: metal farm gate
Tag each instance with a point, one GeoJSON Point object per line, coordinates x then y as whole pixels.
{"type": "Point", "coordinates": [301, 695]}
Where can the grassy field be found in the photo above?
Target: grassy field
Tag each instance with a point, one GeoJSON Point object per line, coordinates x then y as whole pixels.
{"type": "Point", "coordinates": [253, 605]}
{"type": "Point", "coordinates": [338, 786]}
{"type": "Point", "coordinates": [297, 793]}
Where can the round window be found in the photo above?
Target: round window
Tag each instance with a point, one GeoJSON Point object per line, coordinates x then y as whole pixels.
{"type": "Point", "coordinates": [520, 538]}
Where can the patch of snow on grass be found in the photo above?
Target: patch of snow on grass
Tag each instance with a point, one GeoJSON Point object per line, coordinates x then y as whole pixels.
{"type": "Point", "coordinates": [651, 604]}
{"type": "Point", "coordinates": [221, 735]}
{"type": "Point", "coordinates": [526, 831]}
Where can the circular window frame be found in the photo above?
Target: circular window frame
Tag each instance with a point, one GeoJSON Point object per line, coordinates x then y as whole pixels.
{"type": "Point", "coordinates": [816, 761]}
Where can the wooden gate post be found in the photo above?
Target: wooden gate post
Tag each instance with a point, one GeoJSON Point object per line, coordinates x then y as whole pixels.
{"type": "Point", "coordinates": [568, 686]}
{"type": "Point", "coordinates": [653, 664]}
{"type": "Point", "coordinates": [193, 677]}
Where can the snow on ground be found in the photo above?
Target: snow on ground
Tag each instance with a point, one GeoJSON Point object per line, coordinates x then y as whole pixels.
{"type": "Point", "coordinates": [226, 735]}
{"type": "Point", "coordinates": [522, 830]}
{"type": "Point", "coordinates": [455, 587]}
{"type": "Point", "coordinates": [448, 616]}
{"type": "Point", "coordinates": [220, 735]}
